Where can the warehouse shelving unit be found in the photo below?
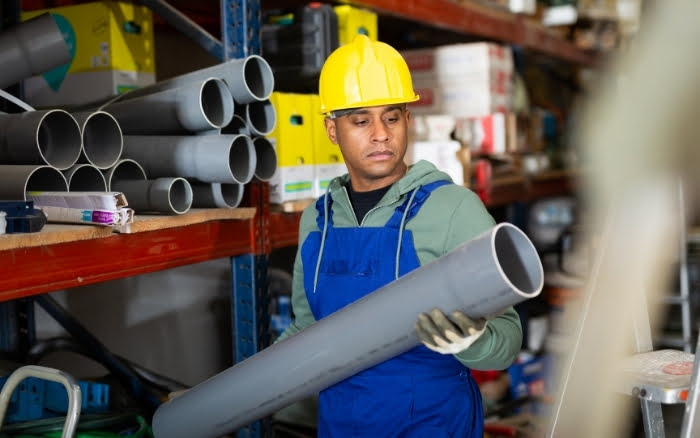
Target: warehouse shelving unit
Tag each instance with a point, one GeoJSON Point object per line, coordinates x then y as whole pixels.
{"type": "Point", "coordinates": [28, 270]}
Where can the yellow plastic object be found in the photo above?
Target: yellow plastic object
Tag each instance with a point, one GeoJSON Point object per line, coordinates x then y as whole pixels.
{"type": "Point", "coordinates": [364, 73]}
{"type": "Point", "coordinates": [355, 21]}
{"type": "Point", "coordinates": [109, 35]}
{"type": "Point", "coordinates": [292, 135]}
{"type": "Point", "coordinates": [325, 152]}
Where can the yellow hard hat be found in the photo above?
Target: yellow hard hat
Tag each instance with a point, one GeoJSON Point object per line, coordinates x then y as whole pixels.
{"type": "Point", "coordinates": [364, 73]}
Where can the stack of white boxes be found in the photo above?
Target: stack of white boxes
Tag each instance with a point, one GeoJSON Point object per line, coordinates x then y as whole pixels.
{"type": "Point", "coordinates": [462, 80]}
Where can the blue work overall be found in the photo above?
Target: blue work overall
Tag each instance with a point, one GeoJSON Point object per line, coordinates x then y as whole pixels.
{"type": "Point", "coordinates": [419, 393]}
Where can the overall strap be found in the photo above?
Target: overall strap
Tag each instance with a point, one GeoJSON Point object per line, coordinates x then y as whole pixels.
{"type": "Point", "coordinates": [320, 210]}
{"type": "Point", "coordinates": [421, 195]}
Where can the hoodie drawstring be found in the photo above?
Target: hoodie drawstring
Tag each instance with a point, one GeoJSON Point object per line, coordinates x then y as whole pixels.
{"type": "Point", "coordinates": [401, 227]}
{"type": "Point", "coordinates": [323, 234]}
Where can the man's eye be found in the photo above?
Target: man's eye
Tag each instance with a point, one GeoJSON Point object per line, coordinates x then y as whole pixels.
{"type": "Point", "coordinates": [360, 122]}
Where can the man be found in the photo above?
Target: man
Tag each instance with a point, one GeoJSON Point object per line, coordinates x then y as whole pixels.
{"type": "Point", "coordinates": [377, 222]}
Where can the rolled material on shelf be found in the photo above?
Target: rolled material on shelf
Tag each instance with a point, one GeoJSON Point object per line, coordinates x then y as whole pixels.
{"type": "Point", "coordinates": [261, 117]}
{"type": "Point", "coordinates": [40, 137]}
{"type": "Point", "coordinates": [207, 158]}
{"type": "Point", "coordinates": [30, 48]}
{"type": "Point", "coordinates": [266, 159]}
{"type": "Point", "coordinates": [194, 106]}
{"type": "Point", "coordinates": [249, 79]}
{"type": "Point", "coordinates": [84, 177]}
{"type": "Point", "coordinates": [102, 138]}
{"type": "Point", "coordinates": [161, 195]}
{"type": "Point", "coordinates": [483, 277]}
{"type": "Point", "coordinates": [17, 180]}
{"type": "Point", "coordinates": [216, 195]}
{"type": "Point", "coordinates": [124, 169]}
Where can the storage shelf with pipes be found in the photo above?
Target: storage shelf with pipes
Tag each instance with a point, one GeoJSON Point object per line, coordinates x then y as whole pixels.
{"type": "Point", "coordinates": [65, 256]}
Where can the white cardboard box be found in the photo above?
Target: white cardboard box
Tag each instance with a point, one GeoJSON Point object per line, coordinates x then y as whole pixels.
{"type": "Point", "coordinates": [469, 61]}
{"type": "Point", "coordinates": [324, 173]}
{"type": "Point", "coordinates": [443, 154]}
{"type": "Point", "coordinates": [292, 183]}
{"type": "Point", "coordinates": [461, 98]}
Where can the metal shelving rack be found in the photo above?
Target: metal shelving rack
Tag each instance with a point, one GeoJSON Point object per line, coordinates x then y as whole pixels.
{"type": "Point", "coordinates": [35, 270]}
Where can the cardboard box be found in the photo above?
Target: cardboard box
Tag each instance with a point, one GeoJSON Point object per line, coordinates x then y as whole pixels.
{"type": "Point", "coordinates": [111, 45]}
{"type": "Point", "coordinates": [461, 98]}
{"type": "Point", "coordinates": [468, 61]}
{"type": "Point", "coordinates": [443, 154]}
{"type": "Point", "coordinates": [292, 183]}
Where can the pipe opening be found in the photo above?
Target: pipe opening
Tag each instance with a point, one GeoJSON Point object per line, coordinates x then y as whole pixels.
{"type": "Point", "coordinates": [102, 140]}
{"type": "Point", "coordinates": [518, 260]}
{"type": "Point", "coordinates": [266, 157]}
{"type": "Point", "coordinates": [258, 77]}
{"type": "Point", "coordinates": [58, 138]}
{"type": "Point", "coordinates": [237, 126]}
{"type": "Point", "coordinates": [180, 195]}
{"type": "Point", "coordinates": [227, 195]}
{"type": "Point", "coordinates": [46, 179]}
{"type": "Point", "coordinates": [241, 159]}
{"type": "Point", "coordinates": [216, 102]}
{"type": "Point", "coordinates": [126, 169]}
{"type": "Point", "coordinates": [261, 117]}
{"type": "Point", "coordinates": [86, 178]}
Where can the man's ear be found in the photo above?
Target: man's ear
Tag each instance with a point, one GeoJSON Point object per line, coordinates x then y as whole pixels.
{"type": "Point", "coordinates": [331, 130]}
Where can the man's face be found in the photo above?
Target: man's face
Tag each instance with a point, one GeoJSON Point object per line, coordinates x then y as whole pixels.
{"type": "Point", "coordinates": [373, 142]}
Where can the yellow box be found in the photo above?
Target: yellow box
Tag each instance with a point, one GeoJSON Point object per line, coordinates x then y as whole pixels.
{"type": "Point", "coordinates": [292, 135]}
{"type": "Point", "coordinates": [325, 152]}
{"type": "Point", "coordinates": [353, 21]}
{"type": "Point", "coordinates": [112, 50]}
{"type": "Point", "coordinates": [106, 35]}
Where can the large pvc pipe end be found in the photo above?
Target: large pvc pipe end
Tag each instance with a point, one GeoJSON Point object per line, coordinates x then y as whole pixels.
{"type": "Point", "coordinates": [257, 81]}
{"type": "Point", "coordinates": [242, 159]}
{"type": "Point", "coordinates": [227, 195]}
{"type": "Point", "coordinates": [124, 169]}
{"type": "Point", "coordinates": [216, 103]}
{"type": "Point", "coordinates": [45, 179]}
{"type": "Point", "coordinates": [261, 117]}
{"type": "Point", "coordinates": [58, 138]}
{"type": "Point", "coordinates": [517, 260]}
{"type": "Point", "coordinates": [170, 195]}
{"type": "Point", "coordinates": [85, 178]}
{"type": "Point", "coordinates": [102, 140]}
{"type": "Point", "coordinates": [266, 159]}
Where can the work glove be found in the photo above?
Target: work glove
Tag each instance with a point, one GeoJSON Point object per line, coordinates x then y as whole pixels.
{"type": "Point", "coordinates": [448, 336]}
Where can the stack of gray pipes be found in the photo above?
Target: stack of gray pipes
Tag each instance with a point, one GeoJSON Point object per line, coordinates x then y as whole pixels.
{"type": "Point", "coordinates": [190, 141]}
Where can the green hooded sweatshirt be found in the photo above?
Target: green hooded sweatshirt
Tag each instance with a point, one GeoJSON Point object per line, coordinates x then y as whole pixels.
{"type": "Point", "coordinates": [451, 215]}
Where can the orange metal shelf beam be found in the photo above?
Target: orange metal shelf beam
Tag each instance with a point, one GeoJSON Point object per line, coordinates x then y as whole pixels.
{"type": "Point", "coordinates": [34, 270]}
{"type": "Point", "coordinates": [473, 19]}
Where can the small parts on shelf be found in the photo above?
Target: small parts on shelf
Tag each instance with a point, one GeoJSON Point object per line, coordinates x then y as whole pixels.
{"type": "Point", "coordinates": [20, 217]}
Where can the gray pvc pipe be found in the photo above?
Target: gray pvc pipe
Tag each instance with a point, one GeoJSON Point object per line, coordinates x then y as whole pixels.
{"type": "Point", "coordinates": [40, 137]}
{"type": "Point", "coordinates": [30, 48]}
{"type": "Point", "coordinates": [124, 169]}
{"type": "Point", "coordinates": [216, 195]}
{"type": "Point", "coordinates": [261, 117]}
{"type": "Point", "coordinates": [102, 138]}
{"type": "Point", "coordinates": [161, 195]}
{"type": "Point", "coordinates": [237, 125]}
{"type": "Point", "coordinates": [483, 277]}
{"type": "Point", "coordinates": [266, 158]}
{"type": "Point", "coordinates": [249, 79]}
{"type": "Point", "coordinates": [84, 177]}
{"type": "Point", "coordinates": [192, 107]}
{"type": "Point", "coordinates": [207, 158]}
{"type": "Point", "coordinates": [17, 180]}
